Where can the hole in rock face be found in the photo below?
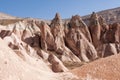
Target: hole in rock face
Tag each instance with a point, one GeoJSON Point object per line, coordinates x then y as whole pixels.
{"type": "Point", "coordinates": [12, 46]}
{"type": "Point", "coordinates": [5, 62]}
{"type": "Point", "coordinates": [29, 41]}
{"type": "Point", "coordinates": [5, 33]}
{"type": "Point", "coordinates": [33, 41]}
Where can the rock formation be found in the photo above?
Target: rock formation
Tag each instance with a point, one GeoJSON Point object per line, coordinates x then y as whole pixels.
{"type": "Point", "coordinates": [57, 30]}
{"type": "Point", "coordinates": [95, 29]}
{"type": "Point", "coordinates": [71, 42]}
{"type": "Point", "coordinates": [112, 35]}
{"type": "Point", "coordinates": [78, 40]}
{"type": "Point", "coordinates": [14, 68]}
{"type": "Point", "coordinates": [47, 39]}
{"type": "Point", "coordinates": [57, 65]}
{"type": "Point", "coordinates": [77, 22]}
{"type": "Point", "coordinates": [51, 46]}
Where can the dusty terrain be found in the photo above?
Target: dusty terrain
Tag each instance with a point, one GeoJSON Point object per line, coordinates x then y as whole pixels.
{"type": "Point", "coordinates": [102, 69]}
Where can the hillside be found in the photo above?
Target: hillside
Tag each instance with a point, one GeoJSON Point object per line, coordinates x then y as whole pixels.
{"type": "Point", "coordinates": [110, 15]}
{"type": "Point", "coordinates": [6, 16]}
{"type": "Point", "coordinates": [13, 67]}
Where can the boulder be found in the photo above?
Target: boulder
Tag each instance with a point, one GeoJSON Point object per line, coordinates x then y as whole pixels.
{"type": "Point", "coordinates": [110, 49]}
{"type": "Point", "coordinates": [107, 49]}
{"type": "Point", "coordinates": [57, 65]}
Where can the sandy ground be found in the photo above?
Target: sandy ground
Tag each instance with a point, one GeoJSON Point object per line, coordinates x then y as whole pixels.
{"type": "Point", "coordinates": [102, 69]}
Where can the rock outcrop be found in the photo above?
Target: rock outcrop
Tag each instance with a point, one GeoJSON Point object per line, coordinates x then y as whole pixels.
{"type": "Point", "coordinates": [78, 40]}
{"type": "Point", "coordinates": [57, 44]}
{"type": "Point", "coordinates": [95, 29]}
{"type": "Point", "coordinates": [77, 23]}
{"type": "Point", "coordinates": [73, 41]}
{"type": "Point", "coordinates": [47, 39]}
{"type": "Point", "coordinates": [70, 42]}
{"type": "Point", "coordinates": [57, 30]}
{"type": "Point", "coordinates": [113, 34]}
{"type": "Point", "coordinates": [57, 65]}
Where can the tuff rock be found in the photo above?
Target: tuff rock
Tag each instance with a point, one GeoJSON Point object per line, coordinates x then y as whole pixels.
{"type": "Point", "coordinates": [51, 46]}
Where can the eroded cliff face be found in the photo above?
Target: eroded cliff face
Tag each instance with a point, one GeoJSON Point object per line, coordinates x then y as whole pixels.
{"type": "Point", "coordinates": [72, 41]}
{"type": "Point", "coordinates": [60, 43]}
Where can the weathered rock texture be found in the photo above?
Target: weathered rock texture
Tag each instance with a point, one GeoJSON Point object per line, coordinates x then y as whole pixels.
{"type": "Point", "coordinates": [58, 43]}
{"type": "Point", "coordinates": [73, 41]}
{"type": "Point", "coordinates": [95, 29]}
{"type": "Point", "coordinates": [13, 67]}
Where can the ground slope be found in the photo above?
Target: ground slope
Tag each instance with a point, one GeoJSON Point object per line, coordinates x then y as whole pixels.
{"type": "Point", "coordinates": [6, 16]}
{"type": "Point", "coordinates": [12, 67]}
{"type": "Point", "coordinates": [102, 69]}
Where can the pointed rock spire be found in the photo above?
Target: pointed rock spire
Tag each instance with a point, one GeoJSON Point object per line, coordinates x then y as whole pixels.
{"type": "Point", "coordinates": [57, 16]}
{"type": "Point", "coordinates": [103, 24]}
{"type": "Point", "coordinates": [57, 30]}
{"type": "Point", "coordinates": [95, 29]}
{"type": "Point", "coordinates": [47, 40]}
{"type": "Point", "coordinates": [75, 21]}
{"type": "Point", "coordinates": [78, 23]}
{"type": "Point", "coordinates": [94, 16]}
{"type": "Point", "coordinates": [56, 21]}
{"type": "Point", "coordinates": [104, 28]}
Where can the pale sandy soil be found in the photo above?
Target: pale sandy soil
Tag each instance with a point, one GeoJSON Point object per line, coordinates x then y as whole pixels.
{"type": "Point", "coordinates": [102, 69]}
{"type": "Point", "coordinates": [12, 67]}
